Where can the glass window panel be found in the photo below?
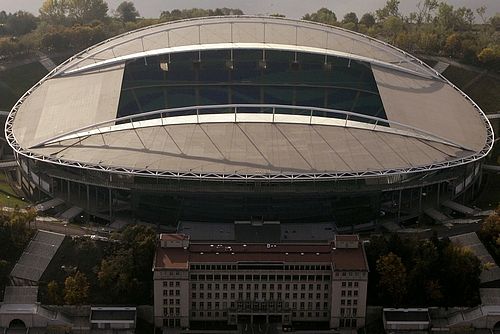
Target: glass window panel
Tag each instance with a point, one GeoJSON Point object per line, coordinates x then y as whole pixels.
{"type": "Point", "coordinates": [213, 66]}
{"type": "Point", "coordinates": [278, 95]}
{"type": "Point", "coordinates": [246, 65]}
{"type": "Point", "coordinates": [128, 104]}
{"type": "Point", "coordinates": [341, 99]}
{"type": "Point", "coordinates": [151, 98]}
{"type": "Point", "coordinates": [195, 78]}
{"type": "Point", "coordinates": [180, 96]}
{"type": "Point", "coordinates": [310, 97]}
{"type": "Point", "coordinates": [213, 95]}
{"type": "Point", "coordinates": [182, 67]}
{"type": "Point", "coordinates": [245, 94]}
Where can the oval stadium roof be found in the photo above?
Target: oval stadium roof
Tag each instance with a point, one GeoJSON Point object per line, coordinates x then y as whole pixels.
{"type": "Point", "coordinates": [248, 97]}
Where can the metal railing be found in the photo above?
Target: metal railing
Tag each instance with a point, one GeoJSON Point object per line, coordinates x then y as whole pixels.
{"type": "Point", "coordinates": [270, 113]}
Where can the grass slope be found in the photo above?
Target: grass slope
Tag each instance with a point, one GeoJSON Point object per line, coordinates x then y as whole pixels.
{"type": "Point", "coordinates": [14, 82]}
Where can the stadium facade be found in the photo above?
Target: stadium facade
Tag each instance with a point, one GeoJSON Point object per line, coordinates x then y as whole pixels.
{"type": "Point", "coordinates": [229, 118]}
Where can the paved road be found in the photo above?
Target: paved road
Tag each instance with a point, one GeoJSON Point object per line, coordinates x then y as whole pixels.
{"type": "Point", "coordinates": [59, 227]}
{"type": "Point", "coordinates": [445, 232]}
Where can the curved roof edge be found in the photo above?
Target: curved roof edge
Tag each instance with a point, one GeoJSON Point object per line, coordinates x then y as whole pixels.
{"type": "Point", "coordinates": [10, 136]}
{"type": "Point", "coordinates": [368, 48]}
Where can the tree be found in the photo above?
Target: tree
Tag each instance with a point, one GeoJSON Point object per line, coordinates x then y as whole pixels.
{"type": "Point", "coordinates": [393, 25]}
{"type": "Point", "coordinates": [177, 14]}
{"type": "Point", "coordinates": [460, 269]}
{"type": "Point", "coordinates": [126, 11]}
{"type": "Point", "coordinates": [453, 44]}
{"type": "Point", "coordinates": [54, 11]}
{"type": "Point", "coordinates": [481, 11]}
{"type": "Point", "coordinates": [350, 18]}
{"type": "Point", "coordinates": [428, 42]}
{"type": "Point", "coordinates": [392, 281]}
{"type": "Point", "coordinates": [85, 11]}
{"type": "Point", "coordinates": [126, 274]}
{"type": "Point", "coordinates": [490, 229]}
{"type": "Point", "coordinates": [4, 273]}
{"type": "Point", "coordinates": [495, 21]}
{"type": "Point", "coordinates": [20, 232]}
{"type": "Point", "coordinates": [425, 12]}
{"type": "Point", "coordinates": [76, 289]}
{"type": "Point", "coordinates": [368, 20]}
{"type": "Point", "coordinates": [20, 23]}
{"type": "Point", "coordinates": [116, 275]}
{"type": "Point", "coordinates": [54, 293]}
{"type": "Point", "coordinates": [79, 11]}
{"type": "Point", "coordinates": [391, 8]}
{"type": "Point", "coordinates": [323, 15]}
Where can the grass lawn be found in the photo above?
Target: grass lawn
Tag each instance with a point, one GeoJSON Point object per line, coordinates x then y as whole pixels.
{"type": "Point", "coordinates": [459, 76]}
{"type": "Point", "coordinates": [14, 82]}
{"type": "Point", "coordinates": [484, 92]}
{"type": "Point", "coordinates": [9, 198]}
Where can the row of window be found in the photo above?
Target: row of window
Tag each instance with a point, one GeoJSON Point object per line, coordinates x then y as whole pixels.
{"type": "Point", "coordinates": [310, 314]}
{"type": "Point", "coordinates": [348, 323]}
{"type": "Point", "coordinates": [209, 314]}
{"type": "Point", "coordinates": [171, 284]}
{"type": "Point", "coordinates": [262, 286]}
{"type": "Point", "coordinates": [217, 314]}
{"type": "Point", "coordinates": [259, 295]}
{"type": "Point", "coordinates": [347, 312]}
{"type": "Point", "coordinates": [260, 305]}
{"type": "Point", "coordinates": [266, 278]}
{"type": "Point", "coordinates": [349, 293]}
{"type": "Point", "coordinates": [350, 284]}
{"type": "Point", "coordinates": [170, 292]}
{"type": "Point", "coordinates": [172, 322]}
{"type": "Point", "coordinates": [351, 273]}
{"type": "Point", "coordinates": [171, 301]}
{"type": "Point", "coordinates": [235, 267]}
{"type": "Point", "coordinates": [348, 302]}
{"type": "Point", "coordinates": [171, 311]}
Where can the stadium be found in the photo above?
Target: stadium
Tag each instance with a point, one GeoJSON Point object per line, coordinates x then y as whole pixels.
{"type": "Point", "coordinates": [238, 118]}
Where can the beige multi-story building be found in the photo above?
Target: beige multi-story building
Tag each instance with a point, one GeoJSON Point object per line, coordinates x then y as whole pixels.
{"type": "Point", "coordinates": [230, 283]}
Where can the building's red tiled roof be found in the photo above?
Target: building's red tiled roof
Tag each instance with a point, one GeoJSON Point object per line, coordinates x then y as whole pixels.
{"type": "Point", "coordinates": [172, 258]}
{"type": "Point", "coordinates": [343, 259]}
{"type": "Point", "coordinates": [173, 236]}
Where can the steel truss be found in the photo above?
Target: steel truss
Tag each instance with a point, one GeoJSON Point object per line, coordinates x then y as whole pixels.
{"type": "Point", "coordinates": [274, 177]}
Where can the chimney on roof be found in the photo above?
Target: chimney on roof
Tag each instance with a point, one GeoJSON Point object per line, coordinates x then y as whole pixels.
{"type": "Point", "coordinates": [174, 241]}
{"type": "Point", "coordinates": [346, 241]}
